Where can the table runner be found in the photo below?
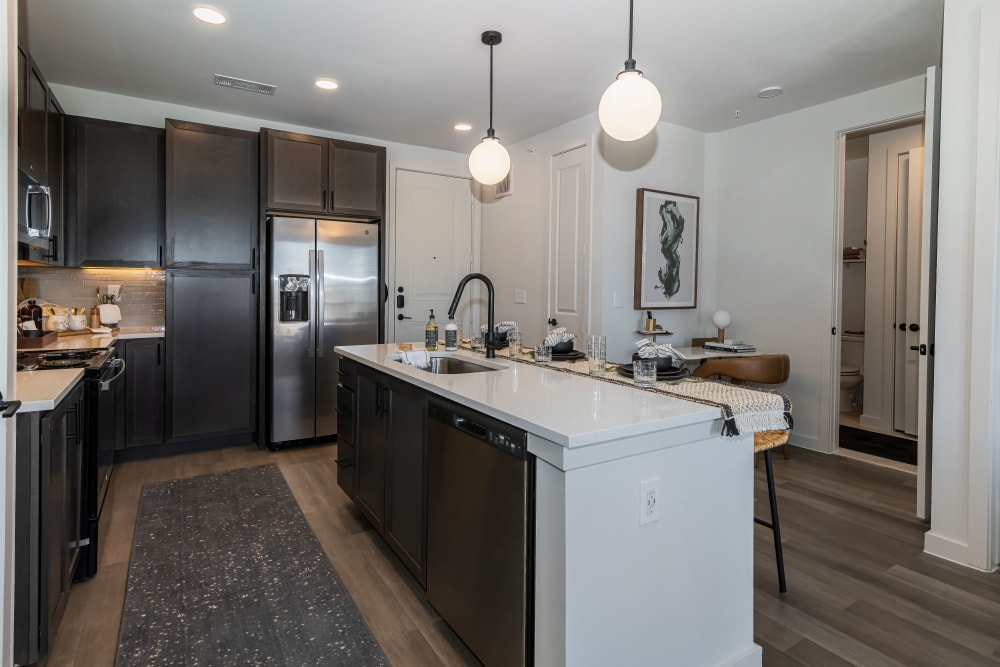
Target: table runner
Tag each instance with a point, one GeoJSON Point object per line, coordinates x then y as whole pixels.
{"type": "Point", "coordinates": [744, 409]}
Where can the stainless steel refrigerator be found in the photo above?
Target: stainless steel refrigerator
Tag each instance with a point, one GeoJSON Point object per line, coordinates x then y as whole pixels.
{"type": "Point", "coordinates": [324, 291]}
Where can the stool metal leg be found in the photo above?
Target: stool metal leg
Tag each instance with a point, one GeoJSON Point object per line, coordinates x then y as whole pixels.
{"type": "Point", "coordinates": [775, 528]}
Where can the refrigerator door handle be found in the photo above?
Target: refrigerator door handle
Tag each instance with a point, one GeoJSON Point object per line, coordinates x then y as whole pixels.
{"type": "Point", "coordinates": [321, 302]}
{"type": "Point", "coordinates": [312, 316]}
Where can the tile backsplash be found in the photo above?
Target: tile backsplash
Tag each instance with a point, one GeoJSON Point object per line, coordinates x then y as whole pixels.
{"type": "Point", "coordinates": [141, 299]}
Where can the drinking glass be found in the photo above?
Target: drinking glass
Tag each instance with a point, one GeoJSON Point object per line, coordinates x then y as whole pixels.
{"type": "Point", "coordinates": [543, 354]}
{"type": "Point", "coordinates": [478, 343]}
{"type": "Point", "coordinates": [597, 355]}
{"type": "Point", "coordinates": [644, 372]}
{"type": "Point", "coordinates": [514, 342]}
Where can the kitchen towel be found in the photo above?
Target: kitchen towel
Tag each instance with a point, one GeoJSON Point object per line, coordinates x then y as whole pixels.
{"type": "Point", "coordinates": [418, 358]}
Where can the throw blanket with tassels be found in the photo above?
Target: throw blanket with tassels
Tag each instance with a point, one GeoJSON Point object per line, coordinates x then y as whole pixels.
{"type": "Point", "coordinates": [745, 409]}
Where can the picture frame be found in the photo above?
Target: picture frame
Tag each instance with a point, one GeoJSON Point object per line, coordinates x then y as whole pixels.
{"type": "Point", "coordinates": [666, 250]}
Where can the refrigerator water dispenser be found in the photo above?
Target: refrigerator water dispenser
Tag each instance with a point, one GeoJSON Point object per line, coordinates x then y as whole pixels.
{"type": "Point", "coordinates": [294, 289]}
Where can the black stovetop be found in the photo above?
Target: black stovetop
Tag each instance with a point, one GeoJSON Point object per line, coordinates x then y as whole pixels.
{"type": "Point", "coordinates": [91, 360]}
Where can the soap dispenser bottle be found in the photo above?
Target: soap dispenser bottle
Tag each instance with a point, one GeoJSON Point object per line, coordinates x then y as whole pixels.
{"type": "Point", "coordinates": [451, 335]}
{"type": "Point", "coordinates": [431, 333]}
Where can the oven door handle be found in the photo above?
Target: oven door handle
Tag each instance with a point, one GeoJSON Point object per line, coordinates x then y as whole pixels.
{"type": "Point", "coordinates": [106, 384]}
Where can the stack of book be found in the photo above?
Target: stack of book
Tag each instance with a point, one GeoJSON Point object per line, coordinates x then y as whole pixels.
{"type": "Point", "coordinates": [729, 347]}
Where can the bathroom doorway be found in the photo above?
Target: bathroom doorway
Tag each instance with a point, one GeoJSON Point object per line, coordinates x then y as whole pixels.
{"type": "Point", "coordinates": [883, 349]}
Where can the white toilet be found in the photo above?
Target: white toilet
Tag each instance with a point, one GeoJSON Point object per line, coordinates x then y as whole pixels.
{"type": "Point", "coordinates": [850, 380]}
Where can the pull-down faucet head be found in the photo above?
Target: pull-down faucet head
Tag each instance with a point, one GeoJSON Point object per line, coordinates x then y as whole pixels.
{"type": "Point", "coordinates": [490, 334]}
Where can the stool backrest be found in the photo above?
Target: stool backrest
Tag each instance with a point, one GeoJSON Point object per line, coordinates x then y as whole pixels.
{"type": "Point", "coordinates": [766, 369]}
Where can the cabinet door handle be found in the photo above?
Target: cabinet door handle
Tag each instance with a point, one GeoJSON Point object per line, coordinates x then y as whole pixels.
{"type": "Point", "coordinates": [253, 258]}
{"type": "Point", "coordinates": [324, 198]}
{"type": "Point", "coordinates": [158, 354]}
{"type": "Point", "coordinates": [159, 256]}
{"type": "Point", "coordinates": [253, 283]}
{"type": "Point", "coordinates": [331, 199]}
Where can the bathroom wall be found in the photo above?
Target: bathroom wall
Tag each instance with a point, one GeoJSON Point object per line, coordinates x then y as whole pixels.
{"type": "Point", "coordinates": [142, 292]}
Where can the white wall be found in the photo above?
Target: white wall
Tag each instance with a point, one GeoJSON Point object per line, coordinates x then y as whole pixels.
{"type": "Point", "coordinates": [965, 516]}
{"type": "Point", "coordinates": [773, 190]}
{"type": "Point", "coordinates": [516, 228]}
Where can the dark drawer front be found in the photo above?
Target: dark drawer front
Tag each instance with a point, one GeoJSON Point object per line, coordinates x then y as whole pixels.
{"type": "Point", "coordinates": [345, 414]}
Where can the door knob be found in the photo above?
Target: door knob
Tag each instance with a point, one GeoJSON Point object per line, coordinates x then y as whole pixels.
{"type": "Point", "coordinates": [902, 327]}
{"type": "Point", "coordinates": [401, 316]}
{"type": "Point", "coordinates": [914, 327]}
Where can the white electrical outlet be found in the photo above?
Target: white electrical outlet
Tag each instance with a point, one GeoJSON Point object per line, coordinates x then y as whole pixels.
{"type": "Point", "coordinates": [617, 300]}
{"type": "Point", "coordinates": [649, 501]}
{"type": "Point", "coordinates": [520, 296]}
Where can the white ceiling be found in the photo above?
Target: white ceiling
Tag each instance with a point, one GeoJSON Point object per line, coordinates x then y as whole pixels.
{"type": "Point", "coordinates": [410, 69]}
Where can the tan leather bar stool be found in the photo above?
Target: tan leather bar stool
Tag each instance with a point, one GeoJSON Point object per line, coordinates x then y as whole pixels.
{"type": "Point", "coordinates": [767, 369]}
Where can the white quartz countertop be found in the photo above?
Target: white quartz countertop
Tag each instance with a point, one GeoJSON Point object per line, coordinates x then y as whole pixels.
{"type": "Point", "coordinates": [567, 409]}
{"type": "Point", "coordinates": [42, 390]}
{"type": "Point", "coordinates": [85, 342]}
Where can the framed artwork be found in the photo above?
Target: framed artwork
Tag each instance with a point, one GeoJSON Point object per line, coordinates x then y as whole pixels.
{"type": "Point", "coordinates": [666, 250]}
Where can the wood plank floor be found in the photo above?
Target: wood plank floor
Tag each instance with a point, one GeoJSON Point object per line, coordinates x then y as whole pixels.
{"type": "Point", "coordinates": [860, 590]}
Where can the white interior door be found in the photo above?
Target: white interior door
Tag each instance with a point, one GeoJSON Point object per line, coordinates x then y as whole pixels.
{"type": "Point", "coordinates": [928, 272]}
{"type": "Point", "coordinates": [908, 243]}
{"type": "Point", "coordinates": [888, 201]}
{"type": "Point", "coordinates": [435, 243]}
{"type": "Point", "coordinates": [569, 240]}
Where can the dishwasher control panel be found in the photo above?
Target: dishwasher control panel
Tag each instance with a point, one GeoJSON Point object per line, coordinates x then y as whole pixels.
{"type": "Point", "coordinates": [513, 445]}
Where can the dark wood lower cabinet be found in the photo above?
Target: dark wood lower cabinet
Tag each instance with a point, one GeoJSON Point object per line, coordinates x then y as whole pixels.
{"type": "Point", "coordinates": [211, 355]}
{"type": "Point", "coordinates": [144, 378]}
{"type": "Point", "coordinates": [347, 384]}
{"type": "Point", "coordinates": [390, 460]}
{"type": "Point", "coordinates": [48, 521]}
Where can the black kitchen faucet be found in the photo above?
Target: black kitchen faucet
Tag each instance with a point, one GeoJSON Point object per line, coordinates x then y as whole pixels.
{"type": "Point", "coordinates": [490, 334]}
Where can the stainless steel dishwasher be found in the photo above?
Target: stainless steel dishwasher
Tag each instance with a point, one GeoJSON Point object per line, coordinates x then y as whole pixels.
{"type": "Point", "coordinates": [480, 532]}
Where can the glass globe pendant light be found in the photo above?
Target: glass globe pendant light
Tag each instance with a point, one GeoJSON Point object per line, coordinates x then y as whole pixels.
{"type": "Point", "coordinates": [489, 162]}
{"type": "Point", "coordinates": [630, 107]}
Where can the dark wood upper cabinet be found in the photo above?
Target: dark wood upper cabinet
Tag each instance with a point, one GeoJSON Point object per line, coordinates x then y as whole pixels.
{"type": "Point", "coordinates": [57, 181]}
{"type": "Point", "coordinates": [212, 196]}
{"type": "Point", "coordinates": [312, 174]}
{"type": "Point", "coordinates": [297, 171]}
{"type": "Point", "coordinates": [33, 159]}
{"type": "Point", "coordinates": [115, 190]}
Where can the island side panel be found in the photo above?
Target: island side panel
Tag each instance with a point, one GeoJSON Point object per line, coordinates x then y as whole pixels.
{"type": "Point", "coordinates": [677, 591]}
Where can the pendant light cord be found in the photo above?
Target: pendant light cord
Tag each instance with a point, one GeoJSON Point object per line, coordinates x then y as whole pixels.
{"type": "Point", "coordinates": [630, 63]}
{"type": "Point", "coordinates": [490, 131]}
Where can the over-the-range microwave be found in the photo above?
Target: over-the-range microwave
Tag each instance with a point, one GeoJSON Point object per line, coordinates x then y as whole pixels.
{"type": "Point", "coordinates": [34, 218]}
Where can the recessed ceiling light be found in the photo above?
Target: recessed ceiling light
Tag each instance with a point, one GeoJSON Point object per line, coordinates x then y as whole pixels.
{"type": "Point", "coordinates": [209, 15]}
{"type": "Point", "coordinates": [327, 84]}
{"type": "Point", "coordinates": [770, 91]}
{"type": "Point", "coordinates": [463, 127]}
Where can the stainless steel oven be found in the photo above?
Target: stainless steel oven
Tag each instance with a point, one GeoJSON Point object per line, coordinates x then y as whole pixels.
{"type": "Point", "coordinates": [104, 405]}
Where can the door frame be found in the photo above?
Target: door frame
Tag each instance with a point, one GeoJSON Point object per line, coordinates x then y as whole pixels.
{"type": "Point", "coordinates": [389, 306]}
{"type": "Point", "coordinates": [830, 427]}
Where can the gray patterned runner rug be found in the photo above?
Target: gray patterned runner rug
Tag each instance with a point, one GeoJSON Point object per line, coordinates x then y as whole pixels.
{"type": "Point", "coordinates": [226, 571]}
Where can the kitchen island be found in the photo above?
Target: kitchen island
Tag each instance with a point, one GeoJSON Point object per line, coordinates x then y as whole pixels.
{"type": "Point", "coordinates": [607, 590]}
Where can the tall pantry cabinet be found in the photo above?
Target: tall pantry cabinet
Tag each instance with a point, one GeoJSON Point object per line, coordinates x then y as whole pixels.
{"type": "Point", "coordinates": [211, 261]}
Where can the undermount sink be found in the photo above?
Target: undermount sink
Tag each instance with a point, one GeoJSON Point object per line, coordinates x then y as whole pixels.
{"type": "Point", "coordinates": [447, 365]}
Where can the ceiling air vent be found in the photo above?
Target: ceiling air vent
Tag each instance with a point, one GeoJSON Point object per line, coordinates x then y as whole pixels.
{"type": "Point", "coordinates": [243, 84]}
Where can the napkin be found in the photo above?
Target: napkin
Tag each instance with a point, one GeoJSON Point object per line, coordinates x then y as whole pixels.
{"type": "Point", "coordinates": [650, 350]}
{"type": "Point", "coordinates": [416, 358]}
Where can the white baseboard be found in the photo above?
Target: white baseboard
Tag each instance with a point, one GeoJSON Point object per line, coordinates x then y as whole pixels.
{"type": "Point", "coordinates": [805, 441]}
{"type": "Point", "coordinates": [753, 657]}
